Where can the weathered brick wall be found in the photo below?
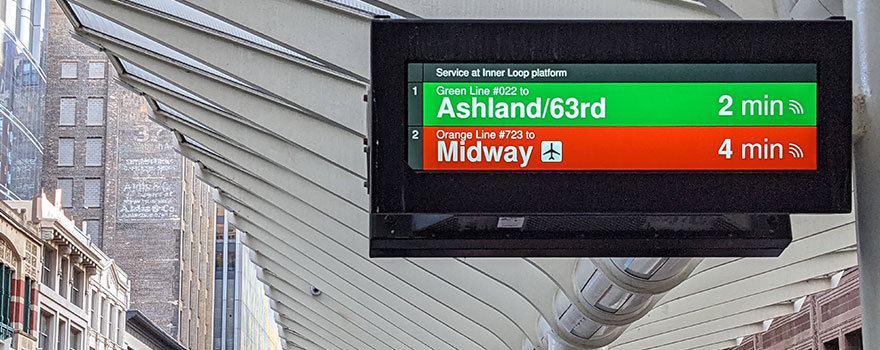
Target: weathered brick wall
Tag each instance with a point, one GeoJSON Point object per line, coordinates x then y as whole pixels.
{"type": "Point", "coordinates": [142, 206]}
{"type": "Point", "coordinates": [62, 47]}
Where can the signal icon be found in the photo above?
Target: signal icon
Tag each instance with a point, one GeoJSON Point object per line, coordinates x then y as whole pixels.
{"type": "Point", "coordinates": [795, 107]}
{"type": "Point", "coordinates": [795, 150]}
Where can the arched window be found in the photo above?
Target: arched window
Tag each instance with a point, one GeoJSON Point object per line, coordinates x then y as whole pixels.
{"type": "Point", "coordinates": [6, 329]}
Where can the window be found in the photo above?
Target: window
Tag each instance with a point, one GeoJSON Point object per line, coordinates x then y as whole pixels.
{"type": "Point", "coordinates": [45, 331]}
{"type": "Point", "coordinates": [48, 267]}
{"type": "Point", "coordinates": [68, 70]}
{"type": "Point", "coordinates": [65, 276]}
{"type": "Point", "coordinates": [26, 29]}
{"type": "Point", "coordinates": [11, 15]}
{"type": "Point", "coordinates": [92, 193]}
{"type": "Point", "coordinates": [854, 340]}
{"type": "Point", "coordinates": [29, 75]}
{"type": "Point", "coordinates": [38, 18]}
{"type": "Point", "coordinates": [77, 287]}
{"type": "Point", "coordinates": [94, 150]}
{"type": "Point", "coordinates": [105, 308]}
{"type": "Point", "coordinates": [66, 187]}
{"type": "Point", "coordinates": [100, 327]}
{"type": "Point", "coordinates": [831, 345]}
{"type": "Point", "coordinates": [230, 262]}
{"type": "Point", "coordinates": [93, 229]}
{"type": "Point", "coordinates": [120, 334]}
{"type": "Point", "coordinates": [75, 338]}
{"type": "Point", "coordinates": [26, 324]}
{"type": "Point", "coordinates": [65, 151]}
{"type": "Point", "coordinates": [62, 335]}
{"type": "Point", "coordinates": [67, 111]}
{"type": "Point", "coordinates": [112, 326]}
{"type": "Point", "coordinates": [218, 260]}
{"type": "Point", "coordinates": [95, 111]}
{"type": "Point", "coordinates": [5, 301]}
{"type": "Point", "coordinates": [96, 70]}
{"type": "Point", "coordinates": [95, 302]}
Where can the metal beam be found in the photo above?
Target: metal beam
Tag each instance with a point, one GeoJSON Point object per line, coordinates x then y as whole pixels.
{"type": "Point", "coordinates": [732, 333]}
{"type": "Point", "coordinates": [308, 320]}
{"type": "Point", "coordinates": [283, 291]}
{"type": "Point", "coordinates": [224, 146]}
{"type": "Point", "coordinates": [294, 288]}
{"type": "Point", "coordinates": [310, 203]}
{"type": "Point", "coordinates": [280, 276]}
{"type": "Point", "coordinates": [389, 273]}
{"type": "Point", "coordinates": [721, 9]}
{"type": "Point", "coordinates": [713, 327]}
{"type": "Point", "coordinates": [801, 250]}
{"type": "Point", "coordinates": [339, 265]}
{"type": "Point", "coordinates": [463, 280]}
{"type": "Point", "coordinates": [866, 152]}
{"type": "Point", "coordinates": [723, 309]}
{"type": "Point", "coordinates": [255, 185]}
{"type": "Point", "coordinates": [550, 9]}
{"type": "Point", "coordinates": [331, 33]}
{"type": "Point", "coordinates": [295, 81]}
{"type": "Point", "coordinates": [386, 306]}
{"type": "Point", "coordinates": [308, 272]}
{"type": "Point", "coordinates": [818, 266]}
{"type": "Point", "coordinates": [235, 152]}
{"type": "Point", "coordinates": [293, 183]}
{"type": "Point", "coordinates": [295, 133]}
{"type": "Point", "coordinates": [290, 264]}
{"type": "Point", "coordinates": [316, 335]}
{"type": "Point", "coordinates": [443, 269]}
{"type": "Point", "coordinates": [300, 341]}
{"type": "Point", "coordinates": [234, 98]}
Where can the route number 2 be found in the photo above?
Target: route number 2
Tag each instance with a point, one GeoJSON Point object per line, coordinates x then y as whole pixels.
{"type": "Point", "coordinates": [728, 102]}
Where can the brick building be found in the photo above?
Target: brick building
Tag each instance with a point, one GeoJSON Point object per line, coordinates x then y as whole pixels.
{"type": "Point", "coordinates": [135, 196]}
{"type": "Point", "coordinates": [829, 320]}
{"type": "Point", "coordinates": [20, 249]}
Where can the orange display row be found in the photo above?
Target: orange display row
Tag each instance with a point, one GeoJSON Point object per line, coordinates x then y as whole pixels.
{"type": "Point", "coordinates": [619, 148]}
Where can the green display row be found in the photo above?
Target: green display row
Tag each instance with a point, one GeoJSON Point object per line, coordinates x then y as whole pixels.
{"type": "Point", "coordinates": [613, 104]}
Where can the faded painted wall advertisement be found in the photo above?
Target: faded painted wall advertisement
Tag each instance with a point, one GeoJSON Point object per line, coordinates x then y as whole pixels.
{"type": "Point", "coordinates": [151, 170]}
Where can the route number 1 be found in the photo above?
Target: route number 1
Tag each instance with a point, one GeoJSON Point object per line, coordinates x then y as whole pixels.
{"type": "Point", "coordinates": [415, 91]}
{"type": "Point", "coordinates": [724, 150]}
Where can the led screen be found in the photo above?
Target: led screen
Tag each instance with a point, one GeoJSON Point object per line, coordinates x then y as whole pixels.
{"type": "Point", "coordinates": [611, 117]}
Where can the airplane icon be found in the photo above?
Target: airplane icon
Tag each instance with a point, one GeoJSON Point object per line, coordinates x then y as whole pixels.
{"type": "Point", "coordinates": [551, 151]}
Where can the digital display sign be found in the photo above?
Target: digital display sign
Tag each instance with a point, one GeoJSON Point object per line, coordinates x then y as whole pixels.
{"type": "Point", "coordinates": [584, 117]}
{"type": "Point", "coordinates": [604, 137]}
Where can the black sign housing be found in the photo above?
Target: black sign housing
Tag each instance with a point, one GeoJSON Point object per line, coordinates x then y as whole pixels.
{"type": "Point", "coordinates": [716, 213]}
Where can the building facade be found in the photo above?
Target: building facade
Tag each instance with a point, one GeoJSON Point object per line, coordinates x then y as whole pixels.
{"type": "Point", "coordinates": [75, 126]}
{"type": "Point", "coordinates": [829, 320]}
{"type": "Point", "coordinates": [196, 299]}
{"type": "Point", "coordinates": [137, 198]}
{"type": "Point", "coordinates": [83, 294]}
{"type": "Point", "coordinates": [271, 94]}
{"type": "Point", "coordinates": [22, 92]}
{"type": "Point", "coordinates": [143, 334]}
{"type": "Point", "coordinates": [20, 267]}
{"type": "Point", "coordinates": [243, 316]}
